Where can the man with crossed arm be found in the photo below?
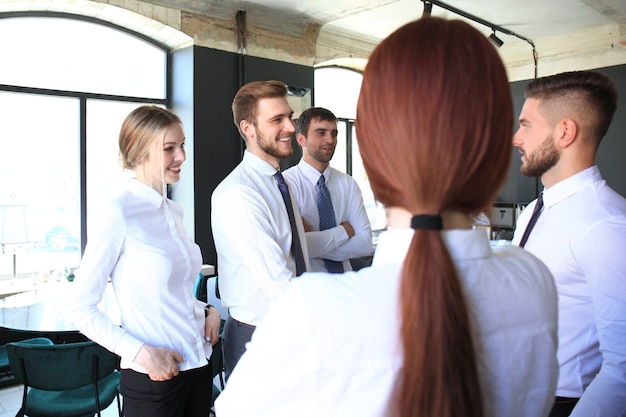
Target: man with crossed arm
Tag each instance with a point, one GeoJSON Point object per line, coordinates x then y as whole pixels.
{"type": "Point", "coordinates": [330, 246]}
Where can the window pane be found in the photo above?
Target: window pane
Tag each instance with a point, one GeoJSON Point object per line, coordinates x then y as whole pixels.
{"type": "Point", "coordinates": [337, 89]}
{"type": "Point", "coordinates": [339, 158]}
{"type": "Point", "coordinates": [40, 170]}
{"type": "Point", "coordinates": [375, 210]}
{"type": "Point", "coordinates": [105, 176]}
{"type": "Point", "coordinates": [75, 55]}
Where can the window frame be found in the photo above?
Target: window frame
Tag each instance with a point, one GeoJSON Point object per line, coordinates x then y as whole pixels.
{"type": "Point", "coordinates": [84, 97]}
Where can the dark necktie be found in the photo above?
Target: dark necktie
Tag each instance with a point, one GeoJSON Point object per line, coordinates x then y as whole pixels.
{"type": "Point", "coordinates": [327, 220]}
{"type": "Point", "coordinates": [533, 220]}
{"type": "Point", "coordinates": [296, 247]}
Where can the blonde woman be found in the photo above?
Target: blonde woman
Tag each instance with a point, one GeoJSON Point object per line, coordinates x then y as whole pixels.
{"type": "Point", "coordinates": [139, 242]}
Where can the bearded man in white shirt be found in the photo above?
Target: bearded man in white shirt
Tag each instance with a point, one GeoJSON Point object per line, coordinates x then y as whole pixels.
{"type": "Point", "coordinates": [330, 246]}
{"type": "Point", "coordinates": [253, 233]}
{"type": "Point", "coordinates": [580, 234]}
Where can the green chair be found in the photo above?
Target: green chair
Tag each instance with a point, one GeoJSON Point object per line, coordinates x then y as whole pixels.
{"type": "Point", "coordinates": [72, 380]}
{"type": "Point", "coordinates": [199, 287]}
{"type": "Point", "coordinates": [216, 362]}
{"type": "Point", "coordinates": [6, 378]}
{"type": "Point", "coordinates": [8, 335]}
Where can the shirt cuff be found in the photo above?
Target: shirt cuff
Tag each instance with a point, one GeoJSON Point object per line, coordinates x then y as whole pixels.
{"type": "Point", "coordinates": [128, 347]}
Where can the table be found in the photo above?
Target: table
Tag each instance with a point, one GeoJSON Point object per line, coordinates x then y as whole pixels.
{"type": "Point", "coordinates": [43, 307]}
{"type": "Point", "coordinates": [29, 304]}
{"type": "Point", "coordinates": [38, 306]}
{"type": "Point", "coordinates": [12, 287]}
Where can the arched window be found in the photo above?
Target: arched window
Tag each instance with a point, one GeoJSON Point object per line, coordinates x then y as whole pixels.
{"type": "Point", "coordinates": [66, 83]}
{"type": "Point", "coordinates": [337, 89]}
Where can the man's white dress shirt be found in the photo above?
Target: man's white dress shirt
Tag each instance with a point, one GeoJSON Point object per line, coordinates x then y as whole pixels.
{"type": "Point", "coordinates": [348, 206]}
{"type": "Point", "coordinates": [581, 237]}
{"type": "Point", "coordinates": [139, 241]}
{"type": "Point", "coordinates": [252, 237]}
{"type": "Point", "coordinates": [330, 345]}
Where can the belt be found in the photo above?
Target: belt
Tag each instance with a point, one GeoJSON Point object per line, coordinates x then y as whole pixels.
{"type": "Point", "coordinates": [241, 323]}
{"type": "Point", "coordinates": [565, 400]}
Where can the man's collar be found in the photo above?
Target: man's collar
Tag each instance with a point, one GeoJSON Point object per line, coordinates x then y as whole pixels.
{"type": "Point", "coordinates": [311, 173]}
{"type": "Point", "coordinates": [258, 164]}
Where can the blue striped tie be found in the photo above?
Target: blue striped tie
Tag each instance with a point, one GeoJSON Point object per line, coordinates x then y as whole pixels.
{"type": "Point", "coordinates": [327, 220]}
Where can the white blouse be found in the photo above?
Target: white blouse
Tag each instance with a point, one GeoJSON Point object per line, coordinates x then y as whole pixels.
{"type": "Point", "coordinates": [330, 345]}
{"type": "Point", "coordinates": [139, 242]}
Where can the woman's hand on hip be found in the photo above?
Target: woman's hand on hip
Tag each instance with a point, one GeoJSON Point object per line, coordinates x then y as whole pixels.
{"type": "Point", "coordinates": [160, 363]}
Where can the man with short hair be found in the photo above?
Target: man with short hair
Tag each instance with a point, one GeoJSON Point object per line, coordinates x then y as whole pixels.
{"type": "Point", "coordinates": [330, 246]}
{"type": "Point", "coordinates": [580, 234]}
{"type": "Point", "coordinates": [257, 249]}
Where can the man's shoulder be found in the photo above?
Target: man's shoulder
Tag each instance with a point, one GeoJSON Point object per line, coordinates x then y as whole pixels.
{"type": "Point", "coordinates": [338, 174]}
{"type": "Point", "coordinates": [241, 181]}
{"type": "Point", "coordinates": [231, 181]}
{"type": "Point", "coordinates": [334, 172]}
{"type": "Point", "coordinates": [342, 179]}
{"type": "Point", "coordinates": [292, 173]}
{"type": "Point", "coordinates": [611, 197]}
{"type": "Point", "coordinates": [297, 179]}
{"type": "Point", "coordinates": [602, 201]}
{"type": "Point", "coordinates": [590, 216]}
{"type": "Point", "coordinates": [590, 191]}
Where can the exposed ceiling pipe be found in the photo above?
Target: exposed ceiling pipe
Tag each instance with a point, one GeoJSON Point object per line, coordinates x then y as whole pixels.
{"type": "Point", "coordinates": [241, 51]}
{"type": "Point", "coordinates": [241, 31]}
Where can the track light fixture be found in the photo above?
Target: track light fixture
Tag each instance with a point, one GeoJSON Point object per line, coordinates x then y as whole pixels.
{"type": "Point", "coordinates": [428, 5]}
{"type": "Point", "coordinates": [495, 40]}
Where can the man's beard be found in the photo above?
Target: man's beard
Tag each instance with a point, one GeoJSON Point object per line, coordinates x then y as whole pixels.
{"type": "Point", "coordinates": [322, 156]}
{"type": "Point", "coordinates": [541, 160]}
{"type": "Point", "coordinates": [271, 146]}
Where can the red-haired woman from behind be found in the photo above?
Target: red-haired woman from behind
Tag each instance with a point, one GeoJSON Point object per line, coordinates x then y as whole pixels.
{"type": "Point", "coordinates": [440, 324]}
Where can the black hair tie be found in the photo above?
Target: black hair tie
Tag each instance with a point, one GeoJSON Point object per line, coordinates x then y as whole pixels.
{"type": "Point", "coordinates": [426, 222]}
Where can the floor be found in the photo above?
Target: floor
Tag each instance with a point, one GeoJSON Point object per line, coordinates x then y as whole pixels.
{"type": "Point", "coordinates": [11, 399]}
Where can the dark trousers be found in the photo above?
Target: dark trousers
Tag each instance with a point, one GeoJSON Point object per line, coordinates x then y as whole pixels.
{"type": "Point", "coordinates": [563, 406]}
{"type": "Point", "coordinates": [234, 338]}
{"type": "Point", "coordinates": [187, 394]}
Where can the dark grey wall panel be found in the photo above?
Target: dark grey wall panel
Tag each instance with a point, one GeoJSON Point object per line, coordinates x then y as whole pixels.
{"type": "Point", "coordinates": [217, 143]}
{"type": "Point", "coordinates": [517, 188]}
{"type": "Point", "coordinates": [611, 158]}
{"type": "Point", "coordinates": [216, 77]}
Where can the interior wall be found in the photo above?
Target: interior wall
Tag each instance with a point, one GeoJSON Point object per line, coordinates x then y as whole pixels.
{"type": "Point", "coordinates": [611, 157]}
{"type": "Point", "coordinates": [218, 147]}
{"type": "Point", "coordinates": [518, 188]}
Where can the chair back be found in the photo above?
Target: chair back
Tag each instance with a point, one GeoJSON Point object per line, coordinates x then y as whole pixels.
{"type": "Point", "coordinates": [60, 367]}
{"type": "Point", "coordinates": [8, 335]}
